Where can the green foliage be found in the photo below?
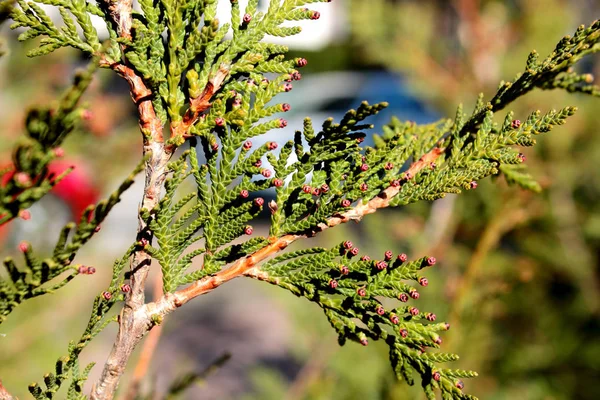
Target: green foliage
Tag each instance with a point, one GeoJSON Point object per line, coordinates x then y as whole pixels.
{"type": "Point", "coordinates": [213, 91]}
{"type": "Point", "coordinates": [352, 293]}
{"type": "Point", "coordinates": [47, 126]}
{"type": "Point", "coordinates": [36, 276]}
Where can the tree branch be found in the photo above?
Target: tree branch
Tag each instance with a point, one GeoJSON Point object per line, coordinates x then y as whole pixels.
{"type": "Point", "coordinates": [4, 395]}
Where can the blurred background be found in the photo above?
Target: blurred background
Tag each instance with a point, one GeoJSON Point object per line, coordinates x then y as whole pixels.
{"type": "Point", "coordinates": [518, 273]}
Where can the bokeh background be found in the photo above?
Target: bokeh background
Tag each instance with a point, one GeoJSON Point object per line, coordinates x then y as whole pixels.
{"type": "Point", "coordinates": [518, 273]}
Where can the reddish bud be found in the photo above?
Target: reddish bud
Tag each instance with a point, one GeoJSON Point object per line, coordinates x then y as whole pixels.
{"type": "Point", "coordinates": [87, 115]}
{"type": "Point", "coordinates": [395, 183]}
{"type": "Point", "coordinates": [285, 107]}
{"type": "Point", "coordinates": [287, 87]}
{"type": "Point", "coordinates": [347, 244]}
{"type": "Point", "coordinates": [333, 284]}
{"type": "Point", "coordinates": [362, 292]}
{"type": "Point", "coordinates": [296, 76]}
{"type": "Point", "coordinates": [364, 187]}
{"type": "Point", "coordinates": [277, 182]}
{"type": "Point", "coordinates": [473, 185]}
{"type": "Point", "coordinates": [403, 297]}
{"type": "Point", "coordinates": [403, 333]}
{"type": "Point", "coordinates": [219, 121]}
{"type": "Point", "coordinates": [413, 311]}
{"type": "Point", "coordinates": [265, 80]}
{"type": "Point", "coordinates": [144, 242]}
{"type": "Point", "coordinates": [414, 294]}
{"type": "Point", "coordinates": [271, 145]}
{"type": "Point", "coordinates": [107, 295]}
{"type": "Point", "coordinates": [388, 166]}
{"type": "Point", "coordinates": [431, 261]}
{"type": "Point", "coordinates": [354, 251]}
{"type": "Point", "coordinates": [301, 62]}
{"type": "Point", "coordinates": [244, 194]}
{"type": "Point", "coordinates": [381, 265]}
{"type": "Point", "coordinates": [380, 310]}
{"type": "Point", "coordinates": [364, 167]}
{"type": "Point", "coordinates": [364, 341]}
{"type": "Point", "coordinates": [344, 270]}
{"type": "Point", "coordinates": [259, 202]}
{"type": "Point", "coordinates": [324, 188]}
{"type": "Point", "coordinates": [282, 123]}
{"type": "Point", "coordinates": [359, 140]}
{"type": "Point", "coordinates": [315, 15]}
{"type": "Point", "coordinates": [248, 230]}
{"type": "Point", "coordinates": [447, 326]}
{"type": "Point", "coordinates": [22, 178]}
{"type": "Point", "coordinates": [394, 319]}
{"type": "Point", "coordinates": [215, 146]}
{"type": "Point", "coordinates": [436, 376]}
{"type": "Point", "coordinates": [247, 18]}
{"type": "Point", "coordinates": [25, 215]}
{"type": "Point", "coordinates": [247, 145]}
{"type": "Point", "coordinates": [346, 203]}
{"type": "Point", "coordinates": [430, 317]}
{"type": "Point", "coordinates": [432, 165]}
{"type": "Point", "coordinates": [522, 157]}
{"type": "Point", "coordinates": [407, 176]}
{"type": "Point", "coordinates": [388, 255]}
{"type": "Point", "coordinates": [273, 206]}
{"type": "Point", "coordinates": [97, 228]}
{"type": "Point", "coordinates": [58, 152]}
{"type": "Point", "coordinates": [365, 258]}
{"type": "Point", "coordinates": [460, 385]}
{"type": "Point", "coordinates": [423, 281]}
{"type": "Point", "coordinates": [258, 164]}
{"type": "Point", "coordinates": [266, 173]}
{"type": "Point", "coordinates": [402, 257]}
{"type": "Point", "coordinates": [516, 124]}
{"type": "Point", "coordinates": [306, 189]}
{"type": "Point", "coordinates": [23, 246]}
{"type": "Point", "coordinates": [91, 270]}
{"type": "Point", "coordinates": [438, 340]}
{"type": "Point", "coordinates": [125, 288]}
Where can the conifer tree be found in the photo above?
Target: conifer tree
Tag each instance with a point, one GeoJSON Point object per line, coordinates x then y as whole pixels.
{"type": "Point", "coordinates": [203, 91]}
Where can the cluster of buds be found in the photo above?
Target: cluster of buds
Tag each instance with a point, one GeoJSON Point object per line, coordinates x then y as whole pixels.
{"type": "Point", "coordinates": [85, 270]}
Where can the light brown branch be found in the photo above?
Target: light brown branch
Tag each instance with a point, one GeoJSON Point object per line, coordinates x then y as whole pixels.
{"type": "Point", "coordinates": [248, 266]}
{"type": "Point", "coordinates": [148, 349]}
{"type": "Point", "coordinates": [120, 12]}
{"type": "Point", "coordinates": [201, 103]}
